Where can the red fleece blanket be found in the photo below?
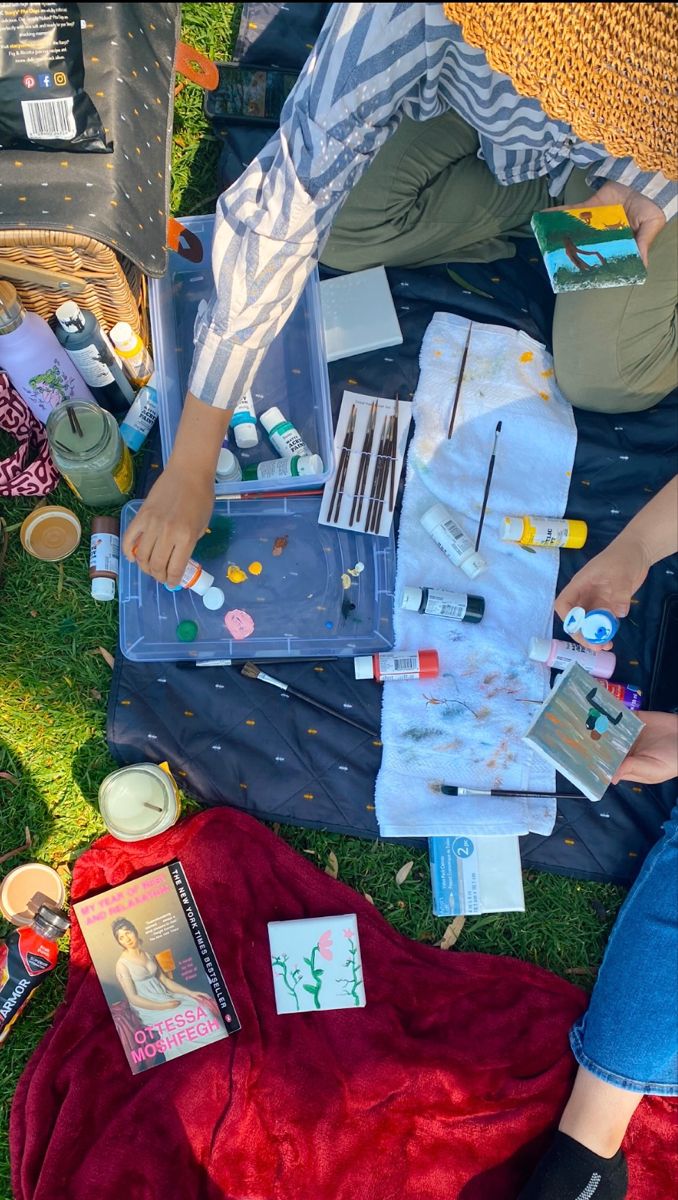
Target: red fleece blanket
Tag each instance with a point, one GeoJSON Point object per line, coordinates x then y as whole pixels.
{"type": "Point", "coordinates": [448, 1084]}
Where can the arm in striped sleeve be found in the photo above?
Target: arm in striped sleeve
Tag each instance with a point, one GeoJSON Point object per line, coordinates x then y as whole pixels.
{"type": "Point", "coordinates": [654, 185]}
{"type": "Point", "coordinates": [273, 222]}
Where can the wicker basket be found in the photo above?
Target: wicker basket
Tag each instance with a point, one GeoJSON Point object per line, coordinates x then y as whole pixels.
{"type": "Point", "coordinates": [47, 267]}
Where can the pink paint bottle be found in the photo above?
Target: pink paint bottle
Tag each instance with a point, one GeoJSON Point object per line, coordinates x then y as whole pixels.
{"type": "Point", "coordinates": [559, 655]}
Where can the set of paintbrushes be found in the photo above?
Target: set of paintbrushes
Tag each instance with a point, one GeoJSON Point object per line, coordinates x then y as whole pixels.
{"type": "Point", "coordinates": [370, 442]}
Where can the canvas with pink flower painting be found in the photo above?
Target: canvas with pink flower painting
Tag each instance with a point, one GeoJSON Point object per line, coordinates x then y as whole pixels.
{"type": "Point", "coordinates": [316, 964]}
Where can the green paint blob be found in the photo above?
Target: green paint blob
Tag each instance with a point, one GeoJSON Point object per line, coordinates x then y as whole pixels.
{"type": "Point", "coordinates": [187, 631]}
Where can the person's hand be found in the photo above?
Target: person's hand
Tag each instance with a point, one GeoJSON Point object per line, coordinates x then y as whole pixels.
{"type": "Point", "coordinates": [174, 515]}
{"type": "Point", "coordinates": [608, 581]}
{"type": "Point", "coordinates": [654, 758]}
{"type": "Point", "coordinates": [171, 1003]}
{"type": "Point", "coordinates": [643, 215]}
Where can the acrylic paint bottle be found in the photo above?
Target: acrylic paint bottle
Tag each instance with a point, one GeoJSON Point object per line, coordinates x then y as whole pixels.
{"type": "Point", "coordinates": [284, 468]}
{"type": "Point", "coordinates": [597, 626]}
{"type": "Point", "coordinates": [27, 955]}
{"type": "Point", "coordinates": [631, 696]}
{"type": "Point", "coordinates": [141, 416]}
{"type": "Point", "coordinates": [87, 346]}
{"type": "Point", "coordinates": [451, 539]}
{"type": "Point", "coordinates": [285, 439]}
{"type": "Point", "coordinates": [439, 602]}
{"type": "Point", "coordinates": [559, 655]}
{"type": "Point", "coordinates": [397, 664]}
{"type": "Point", "coordinates": [244, 423]}
{"type": "Point", "coordinates": [38, 367]}
{"type": "Point", "coordinates": [228, 467]}
{"type": "Point", "coordinates": [135, 357]}
{"type": "Point", "coordinates": [104, 557]}
{"type": "Point", "coordinates": [556, 533]}
{"type": "Point", "coordinates": [195, 578]}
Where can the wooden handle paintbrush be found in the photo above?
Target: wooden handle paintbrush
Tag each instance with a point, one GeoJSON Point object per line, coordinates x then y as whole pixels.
{"type": "Point", "coordinates": [252, 671]}
{"type": "Point", "coordinates": [460, 380]}
{"type": "Point", "coordinates": [340, 480]}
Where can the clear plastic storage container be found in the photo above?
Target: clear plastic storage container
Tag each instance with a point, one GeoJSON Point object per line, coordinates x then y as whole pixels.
{"type": "Point", "coordinates": [294, 590]}
{"type": "Point", "coordinates": [293, 376]}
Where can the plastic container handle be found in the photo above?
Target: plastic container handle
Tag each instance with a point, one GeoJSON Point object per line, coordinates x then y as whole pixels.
{"type": "Point", "coordinates": [184, 241]}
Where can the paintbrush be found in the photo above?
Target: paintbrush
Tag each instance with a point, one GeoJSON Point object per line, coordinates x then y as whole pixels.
{"type": "Point", "coordinates": [252, 671]}
{"type": "Point", "coordinates": [364, 466]}
{"type": "Point", "coordinates": [460, 380]}
{"type": "Point", "coordinates": [488, 481]}
{"type": "Point", "coordinates": [386, 454]}
{"type": "Point", "coordinates": [449, 789]}
{"type": "Point", "coordinates": [344, 458]}
{"type": "Point", "coordinates": [378, 477]}
{"type": "Point", "coordinates": [394, 454]}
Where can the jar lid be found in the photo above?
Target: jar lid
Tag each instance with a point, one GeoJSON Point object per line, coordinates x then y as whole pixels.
{"type": "Point", "coordinates": [26, 888]}
{"type": "Point", "coordinates": [12, 311]}
{"type": "Point", "coordinates": [51, 533]}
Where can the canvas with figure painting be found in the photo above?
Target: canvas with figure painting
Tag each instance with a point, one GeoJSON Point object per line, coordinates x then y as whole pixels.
{"type": "Point", "coordinates": [588, 247]}
{"type": "Point", "coordinates": [584, 731]}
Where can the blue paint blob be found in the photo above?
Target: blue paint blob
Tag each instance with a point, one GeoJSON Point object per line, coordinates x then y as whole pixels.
{"type": "Point", "coordinates": [329, 624]}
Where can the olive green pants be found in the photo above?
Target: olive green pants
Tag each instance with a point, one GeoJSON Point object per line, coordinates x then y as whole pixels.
{"type": "Point", "coordinates": [427, 198]}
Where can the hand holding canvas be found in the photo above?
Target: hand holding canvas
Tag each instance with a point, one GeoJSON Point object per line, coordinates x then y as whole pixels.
{"type": "Point", "coordinates": [644, 216]}
{"type": "Point", "coordinates": [654, 758]}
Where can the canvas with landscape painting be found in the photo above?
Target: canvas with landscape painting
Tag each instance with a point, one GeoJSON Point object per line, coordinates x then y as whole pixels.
{"type": "Point", "coordinates": [588, 247]}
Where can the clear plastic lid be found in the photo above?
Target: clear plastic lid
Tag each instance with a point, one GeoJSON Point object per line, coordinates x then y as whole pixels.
{"type": "Point", "coordinates": [512, 529]}
{"type": "Point", "coordinates": [103, 589]}
{"type": "Point", "coordinates": [363, 666]}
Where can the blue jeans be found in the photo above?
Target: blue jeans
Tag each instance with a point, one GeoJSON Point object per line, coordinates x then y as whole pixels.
{"type": "Point", "coordinates": [629, 1035]}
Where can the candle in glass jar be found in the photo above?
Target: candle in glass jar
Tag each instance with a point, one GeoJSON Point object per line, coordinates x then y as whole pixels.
{"type": "Point", "coordinates": [139, 802]}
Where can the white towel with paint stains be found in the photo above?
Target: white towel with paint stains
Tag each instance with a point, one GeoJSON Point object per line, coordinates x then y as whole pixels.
{"type": "Point", "coordinates": [466, 726]}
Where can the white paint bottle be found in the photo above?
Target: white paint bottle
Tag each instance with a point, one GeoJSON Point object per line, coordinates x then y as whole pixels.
{"type": "Point", "coordinates": [285, 439]}
{"type": "Point", "coordinates": [451, 539]}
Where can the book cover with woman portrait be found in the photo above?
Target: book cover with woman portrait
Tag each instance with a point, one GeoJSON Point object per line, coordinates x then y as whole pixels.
{"type": "Point", "coordinates": [156, 966]}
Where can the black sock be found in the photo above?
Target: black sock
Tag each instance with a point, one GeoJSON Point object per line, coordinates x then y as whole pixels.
{"type": "Point", "coordinates": [570, 1171]}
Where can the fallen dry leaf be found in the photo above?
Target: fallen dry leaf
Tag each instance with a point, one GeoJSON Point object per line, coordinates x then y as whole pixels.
{"type": "Point", "coordinates": [313, 852]}
{"type": "Point", "coordinates": [106, 655]}
{"type": "Point", "coordinates": [7, 775]}
{"type": "Point", "coordinates": [368, 897]}
{"type": "Point", "coordinates": [95, 694]}
{"type": "Point", "coordinates": [579, 971]}
{"type": "Point", "coordinates": [452, 933]}
{"type": "Point", "coordinates": [404, 871]}
{"type": "Point", "coordinates": [332, 867]}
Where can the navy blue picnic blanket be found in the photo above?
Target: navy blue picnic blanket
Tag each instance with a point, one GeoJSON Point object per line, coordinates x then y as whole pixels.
{"type": "Point", "coordinates": [232, 741]}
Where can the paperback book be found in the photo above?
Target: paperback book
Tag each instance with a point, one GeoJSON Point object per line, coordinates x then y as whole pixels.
{"type": "Point", "coordinates": [588, 247]}
{"type": "Point", "coordinates": [584, 731]}
{"type": "Point", "coordinates": [156, 967]}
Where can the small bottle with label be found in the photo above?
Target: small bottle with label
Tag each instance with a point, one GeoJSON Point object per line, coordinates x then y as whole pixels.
{"type": "Point", "coordinates": [135, 357]}
{"type": "Point", "coordinates": [195, 578]}
{"type": "Point", "coordinates": [439, 602]}
{"type": "Point", "coordinates": [141, 416]}
{"type": "Point", "coordinates": [555, 533]}
{"type": "Point", "coordinates": [631, 696]}
{"type": "Point", "coordinates": [104, 557]}
{"type": "Point", "coordinates": [285, 439]}
{"type": "Point", "coordinates": [559, 655]}
{"type": "Point", "coordinates": [228, 467]}
{"type": "Point", "coordinates": [27, 955]}
{"type": "Point", "coordinates": [397, 664]}
{"type": "Point", "coordinates": [87, 346]}
{"type": "Point", "coordinates": [451, 539]}
{"type": "Point", "coordinates": [244, 423]}
{"type": "Point", "coordinates": [284, 468]}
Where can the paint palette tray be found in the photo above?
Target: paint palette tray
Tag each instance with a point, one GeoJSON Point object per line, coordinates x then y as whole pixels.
{"type": "Point", "coordinates": [294, 589]}
{"type": "Point", "coordinates": [292, 376]}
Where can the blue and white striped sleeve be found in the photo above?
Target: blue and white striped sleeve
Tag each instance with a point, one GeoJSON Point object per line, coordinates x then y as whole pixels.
{"type": "Point", "coordinates": [273, 222]}
{"type": "Point", "coordinates": [652, 184]}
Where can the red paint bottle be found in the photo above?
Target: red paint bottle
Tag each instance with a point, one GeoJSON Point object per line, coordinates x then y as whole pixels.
{"type": "Point", "coordinates": [397, 664]}
{"type": "Point", "coordinates": [26, 957]}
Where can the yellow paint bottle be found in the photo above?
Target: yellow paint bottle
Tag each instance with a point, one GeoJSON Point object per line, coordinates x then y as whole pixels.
{"type": "Point", "coordinates": [555, 533]}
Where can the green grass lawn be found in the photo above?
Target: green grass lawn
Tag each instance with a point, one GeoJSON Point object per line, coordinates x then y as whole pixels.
{"type": "Point", "coordinates": [53, 689]}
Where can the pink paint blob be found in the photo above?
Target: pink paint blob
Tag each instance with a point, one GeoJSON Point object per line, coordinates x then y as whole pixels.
{"type": "Point", "coordinates": [239, 624]}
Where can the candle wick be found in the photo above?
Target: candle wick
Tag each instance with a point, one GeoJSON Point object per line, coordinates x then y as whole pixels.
{"type": "Point", "coordinates": [153, 806]}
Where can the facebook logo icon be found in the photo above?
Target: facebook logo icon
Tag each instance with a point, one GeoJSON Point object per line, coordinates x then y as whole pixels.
{"type": "Point", "coordinates": [45, 80]}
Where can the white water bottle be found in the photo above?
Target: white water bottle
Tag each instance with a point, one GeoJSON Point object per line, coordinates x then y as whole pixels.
{"type": "Point", "coordinates": [37, 365]}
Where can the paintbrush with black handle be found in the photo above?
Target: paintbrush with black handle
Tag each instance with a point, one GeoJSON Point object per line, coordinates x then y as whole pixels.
{"type": "Point", "coordinates": [488, 481]}
{"type": "Point", "coordinates": [344, 459]}
{"type": "Point", "coordinates": [365, 453]}
{"type": "Point", "coordinates": [460, 380]}
{"type": "Point", "coordinates": [252, 671]}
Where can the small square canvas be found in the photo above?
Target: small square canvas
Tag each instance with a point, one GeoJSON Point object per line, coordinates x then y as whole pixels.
{"type": "Point", "coordinates": [584, 731]}
{"type": "Point", "coordinates": [588, 247]}
{"type": "Point", "coordinates": [316, 964]}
